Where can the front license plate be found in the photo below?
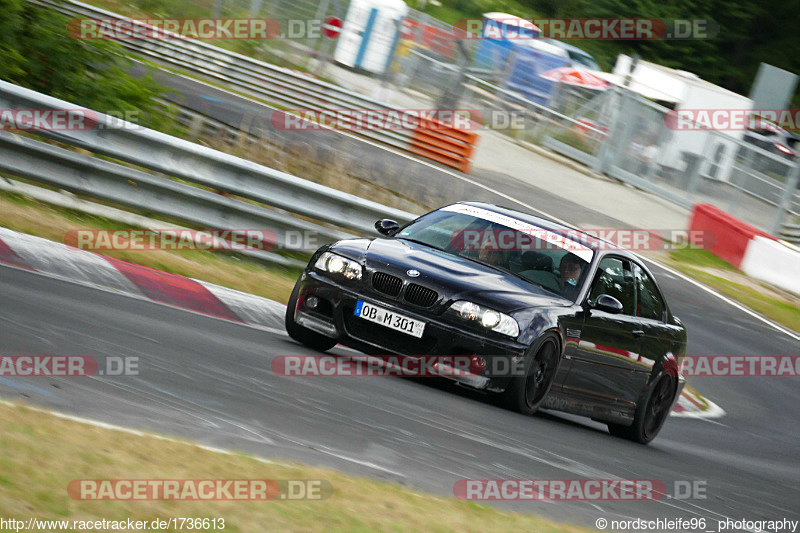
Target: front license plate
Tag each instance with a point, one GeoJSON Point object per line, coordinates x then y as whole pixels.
{"type": "Point", "coordinates": [390, 319]}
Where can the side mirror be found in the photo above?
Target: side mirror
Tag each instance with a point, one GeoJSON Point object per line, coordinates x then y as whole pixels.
{"type": "Point", "coordinates": [606, 303]}
{"type": "Point", "coordinates": [387, 227]}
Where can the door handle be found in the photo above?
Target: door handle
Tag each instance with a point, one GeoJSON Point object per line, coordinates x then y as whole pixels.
{"type": "Point", "coordinates": [638, 333]}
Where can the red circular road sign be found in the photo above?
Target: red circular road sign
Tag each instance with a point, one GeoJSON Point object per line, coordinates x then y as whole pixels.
{"type": "Point", "coordinates": [332, 27]}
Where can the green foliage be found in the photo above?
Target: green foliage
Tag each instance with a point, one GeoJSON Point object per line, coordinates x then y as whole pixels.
{"type": "Point", "coordinates": [556, 8]}
{"type": "Point", "coordinates": [750, 33]}
{"type": "Point", "coordinates": [37, 52]}
{"type": "Point", "coordinates": [576, 140]}
{"type": "Point", "coordinates": [452, 10]}
{"type": "Point", "coordinates": [183, 9]}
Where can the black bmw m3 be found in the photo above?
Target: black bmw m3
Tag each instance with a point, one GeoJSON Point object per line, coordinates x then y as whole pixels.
{"type": "Point", "coordinates": [550, 317]}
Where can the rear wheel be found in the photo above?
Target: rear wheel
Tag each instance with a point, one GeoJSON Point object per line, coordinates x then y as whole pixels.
{"type": "Point", "coordinates": [651, 413]}
{"type": "Point", "coordinates": [301, 334]}
{"type": "Point", "coordinates": [527, 392]}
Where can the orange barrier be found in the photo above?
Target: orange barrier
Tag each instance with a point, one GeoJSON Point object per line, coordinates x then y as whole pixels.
{"type": "Point", "coordinates": [442, 143]}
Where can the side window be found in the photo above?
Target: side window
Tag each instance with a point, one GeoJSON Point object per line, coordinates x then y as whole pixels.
{"type": "Point", "coordinates": [649, 303]}
{"type": "Point", "coordinates": [615, 279]}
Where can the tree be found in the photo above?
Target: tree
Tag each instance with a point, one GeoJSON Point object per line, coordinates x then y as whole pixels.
{"type": "Point", "coordinates": [37, 52]}
{"type": "Point", "coordinates": [749, 33]}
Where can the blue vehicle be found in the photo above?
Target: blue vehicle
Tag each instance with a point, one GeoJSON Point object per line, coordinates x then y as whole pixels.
{"type": "Point", "coordinates": [500, 34]}
{"type": "Point", "coordinates": [508, 38]}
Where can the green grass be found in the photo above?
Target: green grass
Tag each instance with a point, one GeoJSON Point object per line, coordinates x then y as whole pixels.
{"type": "Point", "coordinates": [696, 257]}
{"type": "Point", "coordinates": [447, 14]}
{"type": "Point", "coordinates": [66, 450]}
{"type": "Point", "coordinates": [707, 268]}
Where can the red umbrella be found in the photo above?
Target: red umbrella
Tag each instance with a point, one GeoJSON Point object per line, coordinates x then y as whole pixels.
{"type": "Point", "coordinates": [577, 77]}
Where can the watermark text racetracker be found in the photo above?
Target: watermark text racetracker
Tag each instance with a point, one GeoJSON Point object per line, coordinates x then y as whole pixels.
{"type": "Point", "coordinates": [67, 366]}
{"type": "Point", "coordinates": [210, 29]}
{"type": "Point", "coordinates": [77, 119]}
{"type": "Point", "coordinates": [181, 239]}
{"type": "Point", "coordinates": [387, 366]}
{"type": "Point", "coordinates": [199, 489]}
{"type": "Point", "coordinates": [577, 489]}
{"type": "Point", "coordinates": [389, 119]}
{"type": "Point", "coordinates": [732, 119]}
{"type": "Point", "coordinates": [741, 365]}
{"type": "Point", "coordinates": [534, 238]}
{"type": "Point", "coordinates": [597, 29]}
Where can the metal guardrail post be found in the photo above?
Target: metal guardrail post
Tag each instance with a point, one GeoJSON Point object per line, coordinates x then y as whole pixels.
{"type": "Point", "coordinates": [692, 178]}
{"type": "Point", "coordinates": [791, 233]}
{"type": "Point", "coordinates": [739, 181]}
{"type": "Point", "coordinates": [792, 182]}
{"type": "Point", "coordinates": [607, 153]}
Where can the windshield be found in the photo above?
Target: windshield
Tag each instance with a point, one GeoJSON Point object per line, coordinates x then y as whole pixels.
{"type": "Point", "coordinates": [534, 254]}
{"type": "Point", "coordinates": [584, 60]}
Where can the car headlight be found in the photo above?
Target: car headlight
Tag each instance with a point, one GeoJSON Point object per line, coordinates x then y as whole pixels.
{"type": "Point", "coordinates": [336, 264]}
{"type": "Point", "coordinates": [488, 318]}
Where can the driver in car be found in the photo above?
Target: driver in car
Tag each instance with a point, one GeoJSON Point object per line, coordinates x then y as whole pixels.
{"type": "Point", "coordinates": [570, 270]}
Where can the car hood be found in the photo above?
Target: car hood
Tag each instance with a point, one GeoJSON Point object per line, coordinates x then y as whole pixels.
{"type": "Point", "coordinates": [453, 277]}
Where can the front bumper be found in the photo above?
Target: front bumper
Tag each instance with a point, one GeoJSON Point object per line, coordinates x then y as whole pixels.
{"type": "Point", "coordinates": [334, 317]}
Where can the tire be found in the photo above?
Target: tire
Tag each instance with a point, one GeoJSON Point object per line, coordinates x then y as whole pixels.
{"type": "Point", "coordinates": [527, 392]}
{"type": "Point", "coordinates": [651, 413]}
{"type": "Point", "coordinates": [303, 335]}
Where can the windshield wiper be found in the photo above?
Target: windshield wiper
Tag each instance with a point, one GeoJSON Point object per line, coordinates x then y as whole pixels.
{"type": "Point", "coordinates": [429, 245]}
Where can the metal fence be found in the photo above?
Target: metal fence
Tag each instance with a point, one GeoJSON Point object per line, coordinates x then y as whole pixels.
{"type": "Point", "coordinates": [306, 52]}
{"type": "Point", "coordinates": [623, 135]}
{"type": "Point", "coordinates": [697, 164]}
{"type": "Point", "coordinates": [288, 88]}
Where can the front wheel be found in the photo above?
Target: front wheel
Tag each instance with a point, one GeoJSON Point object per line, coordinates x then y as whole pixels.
{"type": "Point", "coordinates": [301, 334]}
{"type": "Point", "coordinates": [527, 392]}
{"type": "Point", "coordinates": [651, 413]}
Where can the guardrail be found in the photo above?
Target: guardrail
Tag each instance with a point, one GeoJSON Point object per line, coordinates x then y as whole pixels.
{"type": "Point", "coordinates": [258, 79]}
{"type": "Point", "coordinates": [287, 197]}
{"type": "Point", "coordinates": [791, 233]}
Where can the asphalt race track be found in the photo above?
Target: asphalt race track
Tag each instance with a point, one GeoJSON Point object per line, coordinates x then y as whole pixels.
{"type": "Point", "coordinates": [209, 380]}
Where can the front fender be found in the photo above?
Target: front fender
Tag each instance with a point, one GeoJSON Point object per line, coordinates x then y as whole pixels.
{"type": "Point", "coordinates": [536, 322]}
